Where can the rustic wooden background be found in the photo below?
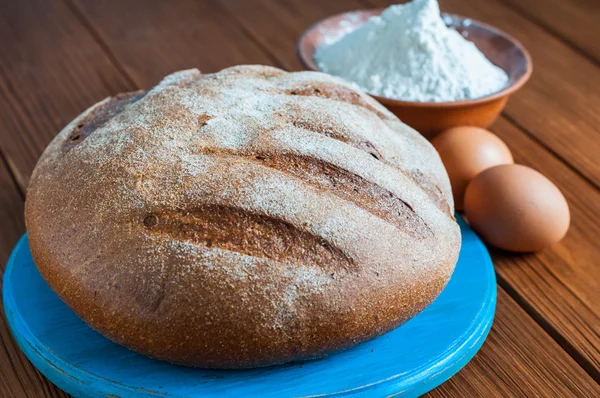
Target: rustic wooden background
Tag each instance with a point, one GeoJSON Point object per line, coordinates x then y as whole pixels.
{"type": "Point", "coordinates": [59, 57]}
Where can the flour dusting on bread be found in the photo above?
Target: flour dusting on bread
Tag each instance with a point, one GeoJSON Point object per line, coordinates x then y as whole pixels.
{"type": "Point", "coordinates": [243, 218]}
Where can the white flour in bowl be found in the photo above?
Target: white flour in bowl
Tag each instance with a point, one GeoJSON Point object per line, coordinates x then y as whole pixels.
{"type": "Point", "coordinates": [408, 53]}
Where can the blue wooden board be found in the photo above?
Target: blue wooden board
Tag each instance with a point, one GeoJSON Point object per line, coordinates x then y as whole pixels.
{"type": "Point", "coordinates": [408, 361]}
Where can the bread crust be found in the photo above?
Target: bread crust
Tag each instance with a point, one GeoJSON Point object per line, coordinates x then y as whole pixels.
{"type": "Point", "coordinates": [244, 218]}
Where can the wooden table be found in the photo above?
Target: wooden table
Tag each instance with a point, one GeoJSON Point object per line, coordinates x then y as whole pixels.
{"type": "Point", "coordinates": [59, 57]}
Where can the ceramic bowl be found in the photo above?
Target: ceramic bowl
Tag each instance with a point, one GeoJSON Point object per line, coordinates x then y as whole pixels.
{"type": "Point", "coordinates": [431, 117]}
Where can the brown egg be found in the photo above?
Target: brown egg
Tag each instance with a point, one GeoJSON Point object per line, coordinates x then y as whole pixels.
{"type": "Point", "coordinates": [466, 152]}
{"type": "Point", "coordinates": [515, 208]}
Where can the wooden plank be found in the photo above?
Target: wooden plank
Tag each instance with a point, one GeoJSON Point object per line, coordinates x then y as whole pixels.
{"type": "Point", "coordinates": [154, 38]}
{"type": "Point", "coordinates": [575, 21]}
{"type": "Point", "coordinates": [51, 70]}
{"type": "Point", "coordinates": [518, 360]}
{"type": "Point", "coordinates": [277, 25]}
{"type": "Point", "coordinates": [568, 270]}
{"type": "Point", "coordinates": [11, 213]}
{"type": "Point", "coordinates": [559, 104]}
{"type": "Point", "coordinates": [18, 378]}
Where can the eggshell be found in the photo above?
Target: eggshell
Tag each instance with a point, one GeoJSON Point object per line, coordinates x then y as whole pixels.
{"type": "Point", "coordinates": [515, 208]}
{"type": "Point", "coordinates": [467, 151]}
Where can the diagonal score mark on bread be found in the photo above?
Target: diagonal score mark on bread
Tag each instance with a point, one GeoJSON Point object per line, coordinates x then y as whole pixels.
{"type": "Point", "coordinates": [257, 236]}
{"type": "Point", "coordinates": [298, 119]}
{"type": "Point", "coordinates": [336, 93]}
{"type": "Point", "coordinates": [338, 181]}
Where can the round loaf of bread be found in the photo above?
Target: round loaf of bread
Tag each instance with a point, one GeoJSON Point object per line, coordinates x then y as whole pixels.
{"type": "Point", "coordinates": [244, 218]}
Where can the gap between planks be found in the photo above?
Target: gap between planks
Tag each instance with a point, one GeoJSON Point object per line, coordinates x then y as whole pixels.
{"type": "Point", "coordinates": [13, 177]}
{"type": "Point", "coordinates": [87, 25]}
{"type": "Point", "coordinates": [17, 377]}
{"type": "Point", "coordinates": [6, 160]}
{"type": "Point", "coordinates": [503, 284]}
{"type": "Point", "coordinates": [520, 127]}
{"type": "Point", "coordinates": [553, 332]}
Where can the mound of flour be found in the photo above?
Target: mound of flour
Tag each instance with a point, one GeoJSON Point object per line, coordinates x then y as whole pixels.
{"type": "Point", "coordinates": [409, 53]}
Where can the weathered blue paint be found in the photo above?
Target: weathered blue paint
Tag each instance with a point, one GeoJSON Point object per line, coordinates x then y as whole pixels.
{"type": "Point", "coordinates": [408, 361]}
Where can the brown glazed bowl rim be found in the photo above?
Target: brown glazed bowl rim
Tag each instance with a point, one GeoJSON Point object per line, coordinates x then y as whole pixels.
{"type": "Point", "coordinates": [515, 84]}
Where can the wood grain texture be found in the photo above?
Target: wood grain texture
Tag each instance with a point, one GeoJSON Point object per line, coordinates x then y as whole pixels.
{"type": "Point", "coordinates": [51, 70]}
{"type": "Point", "coordinates": [17, 377]}
{"type": "Point", "coordinates": [152, 39]}
{"type": "Point", "coordinates": [548, 373]}
{"type": "Point", "coordinates": [574, 21]}
{"type": "Point", "coordinates": [278, 25]}
{"type": "Point", "coordinates": [11, 213]}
